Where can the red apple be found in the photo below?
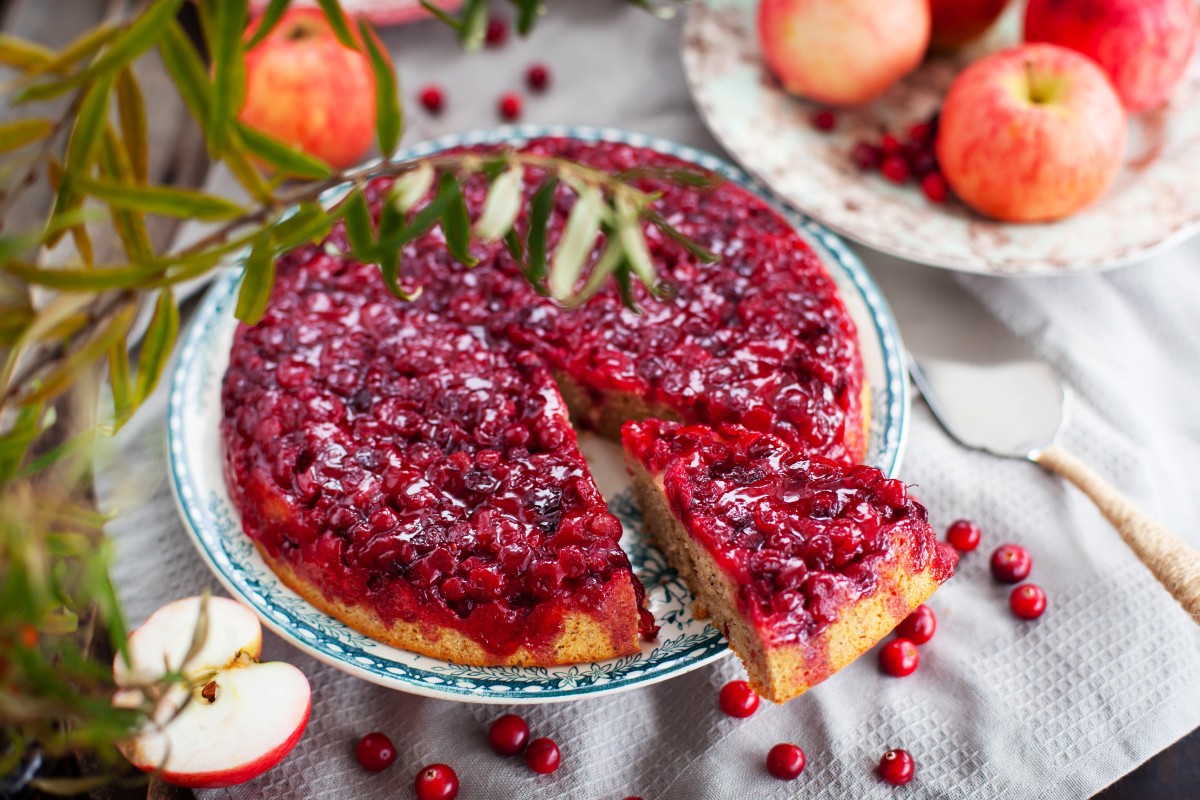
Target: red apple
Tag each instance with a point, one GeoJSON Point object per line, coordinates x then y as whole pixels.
{"type": "Point", "coordinates": [243, 716]}
{"type": "Point", "coordinates": [956, 22]}
{"type": "Point", "coordinates": [1143, 45]}
{"type": "Point", "coordinates": [845, 52]}
{"type": "Point", "coordinates": [1032, 133]}
{"type": "Point", "coordinates": [304, 87]}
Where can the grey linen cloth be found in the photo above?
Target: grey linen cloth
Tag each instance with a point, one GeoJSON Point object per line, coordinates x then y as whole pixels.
{"type": "Point", "coordinates": [999, 708]}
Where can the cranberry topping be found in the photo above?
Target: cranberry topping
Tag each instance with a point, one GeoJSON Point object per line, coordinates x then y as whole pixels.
{"type": "Point", "coordinates": [542, 756]}
{"type": "Point", "coordinates": [1011, 563]}
{"type": "Point", "coordinates": [800, 535]}
{"type": "Point", "coordinates": [897, 767]}
{"type": "Point", "coordinates": [919, 626]}
{"type": "Point", "coordinates": [436, 782]}
{"type": "Point", "coordinates": [508, 735]}
{"type": "Point", "coordinates": [785, 761]}
{"type": "Point", "coordinates": [415, 456]}
{"type": "Point", "coordinates": [375, 752]}
{"type": "Point", "coordinates": [1027, 601]}
{"type": "Point", "coordinates": [738, 699]}
{"type": "Point", "coordinates": [899, 658]}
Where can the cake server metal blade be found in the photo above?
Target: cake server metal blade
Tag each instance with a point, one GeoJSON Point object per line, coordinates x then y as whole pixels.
{"type": "Point", "coordinates": [992, 393]}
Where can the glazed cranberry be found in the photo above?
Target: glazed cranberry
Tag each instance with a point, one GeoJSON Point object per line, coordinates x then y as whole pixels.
{"type": "Point", "coordinates": [508, 735]}
{"type": "Point", "coordinates": [1011, 563]}
{"type": "Point", "coordinates": [497, 32]}
{"type": "Point", "coordinates": [890, 144]}
{"type": "Point", "coordinates": [935, 188]}
{"type": "Point", "coordinates": [542, 756]}
{"type": "Point", "coordinates": [1027, 601]}
{"type": "Point", "coordinates": [436, 782]}
{"type": "Point", "coordinates": [963, 535]}
{"type": "Point", "coordinates": [895, 169]}
{"type": "Point", "coordinates": [538, 77]}
{"type": "Point", "coordinates": [785, 761]}
{"type": "Point", "coordinates": [866, 156]}
{"type": "Point", "coordinates": [510, 106]}
{"type": "Point", "coordinates": [824, 120]}
{"type": "Point", "coordinates": [432, 98]}
{"type": "Point", "coordinates": [893, 492]}
{"type": "Point", "coordinates": [897, 767]}
{"type": "Point", "coordinates": [375, 752]}
{"type": "Point", "coordinates": [738, 699]}
{"type": "Point", "coordinates": [920, 133]}
{"type": "Point", "coordinates": [899, 657]}
{"type": "Point", "coordinates": [919, 626]}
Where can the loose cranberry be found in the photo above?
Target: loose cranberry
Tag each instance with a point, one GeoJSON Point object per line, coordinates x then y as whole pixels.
{"type": "Point", "coordinates": [538, 77]}
{"type": "Point", "coordinates": [1027, 601]}
{"type": "Point", "coordinates": [497, 32]}
{"type": "Point", "coordinates": [375, 752]}
{"type": "Point", "coordinates": [920, 133]}
{"type": "Point", "coordinates": [866, 156]}
{"type": "Point", "coordinates": [963, 535]}
{"type": "Point", "coordinates": [899, 657]}
{"type": "Point", "coordinates": [510, 106]}
{"type": "Point", "coordinates": [436, 782]}
{"type": "Point", "coordinates": [919, 626]}
{"type": "Point", "coordinates": [890, 144]}
{"type": "Point", "coordinates": [738, 699]}
{"type": "Point", "coordinates": [824, 120]}
{"type": "Point", "coordinates": [433, 99]}
{"type": "Point", "coordinates": [785, 761]}
{"type": "Point", "coordinates": [542, 756]}
{"type": "Point", "coordinates": [935, 188]}
{"type": "Point", "coordinates": [508, 735]}
{"type": "Point", "coordinates": [922, 163]}
{"type": "Point", "coordinates": [1011, 563]}
{"type": "Point", "coordinates": [897, 767]}
{"type": "Point", "coordinates": [895, 169]}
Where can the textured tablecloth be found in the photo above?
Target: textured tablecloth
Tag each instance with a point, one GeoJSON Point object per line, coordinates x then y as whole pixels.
{"type": "Point", "coordinates": [1058, 708]}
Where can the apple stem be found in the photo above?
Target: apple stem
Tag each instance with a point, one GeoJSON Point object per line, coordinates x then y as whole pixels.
{"type": "Point", "coordinates": [1034, 96]}
{"type": "Point", "coordinates": [209, 692]}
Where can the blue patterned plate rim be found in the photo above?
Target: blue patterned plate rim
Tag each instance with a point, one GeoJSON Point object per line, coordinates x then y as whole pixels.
{"type": "Point", "coordinates": [221, 542]}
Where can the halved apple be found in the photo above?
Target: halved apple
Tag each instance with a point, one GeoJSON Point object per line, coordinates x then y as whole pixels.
{"type": "Point", "coordinates": [244, 716]}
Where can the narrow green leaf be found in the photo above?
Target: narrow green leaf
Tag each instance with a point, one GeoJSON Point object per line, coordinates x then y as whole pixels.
{"type": "Point", "coordinates": [258, 281]}
{"type": "Point", "coordinates": [17, 134]}
{"type": "Point", "coordinates": [267, 21]}
{"type": "Point", "coordinates": [605, 266]}
{"type": "Point", "coordinates": [441, 15]}
{"type": "Point", "coordinates": [502, 205]}
{"type": "Point", "coordinates": [704, 255]}
{"type": "Point", "coordinates": [83, 243]}
{"type": "Point", "coordinates": [411, 187]}
{"type": "Point", "coordinates": [247, 174]}
{"type": "Point", "coordinates": [23, 54]}
{"type": "Point", "coordinates": [89, 125]}
{"type": "Point", "coordinates": [423, 220]}
{"type": "Point", "coordinates": [539, 215]}
{"type": "Point", "coordinates": [229, 72]}
{"type": "Point", "coordinates": [83, 46]}
{"type": "Point", "coordinates": [132, 110]}
{"type": "Point", "coordinates": [15, 442]}
{"type": "Point", "coordinates": [68, 370]}
{"type": "Point", "coordinates": [474, 24]}
{"type": "Point", "coordinates": [578, 239]}
{"type": "Point", "coordinates": [389, 117]}
{"type": "Point", "coordinates": [130, 227]}
{"type": "Point", "coordinates": [187, 71]}
{"type": "Point", "coordinates": [310, 221]}
{"type": "Point", "coordinates": [183, 203]}
{"type": "Point", "coordinates": [73, 279]}
{"type": "Point", "coordinates": [338, 22]}
{"type": "Point", "coordinates": [456, 221]}
{"type": "Point", "coordinates": [389, 255]}
{"type": "Point", "coordinates": [283, 157]}
{"type": "Point", "coordinates": [625, 288]}
{"type": "Point", "coordinates": [516, 249]}
{"type": "Point", "coordinates": [156, 345]}
{"type": "Point", "coordinates": [527, 14]}
{"type": "Point", "coordinates": [118, 378]}
{"type": "Point", "coordinates": [359, 228]}
{"type": "Point", "coordinates": [633, 241]}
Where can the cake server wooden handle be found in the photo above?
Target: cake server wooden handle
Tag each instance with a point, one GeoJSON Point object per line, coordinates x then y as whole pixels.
{"type": "Point", "coordinates": [1174, 562]}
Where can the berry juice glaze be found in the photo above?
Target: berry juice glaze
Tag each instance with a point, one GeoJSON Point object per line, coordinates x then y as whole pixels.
{"type": "Point", "coordinates": [415, 457]}
{"type": "Point", "coordinates": [801, 536]}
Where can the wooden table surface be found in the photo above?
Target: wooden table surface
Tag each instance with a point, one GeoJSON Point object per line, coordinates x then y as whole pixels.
{"type": "Point", "coordinates": [177, 156]}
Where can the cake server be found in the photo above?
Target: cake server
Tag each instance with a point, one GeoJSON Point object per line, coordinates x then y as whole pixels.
{"type": "Point", "coordinates": [1008, 402]}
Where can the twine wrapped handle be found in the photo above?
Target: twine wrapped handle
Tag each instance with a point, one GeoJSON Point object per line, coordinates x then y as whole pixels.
{"type": "Point", "coordinates": [1174, 562]}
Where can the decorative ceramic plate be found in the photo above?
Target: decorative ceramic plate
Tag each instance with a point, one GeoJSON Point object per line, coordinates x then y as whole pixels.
{"type": "Point", "coordinates": [380, 12]}
{"type": "Point", "coordinates": [684, 643]}
{"type": "Point", "coordinates": [1153, 203]}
